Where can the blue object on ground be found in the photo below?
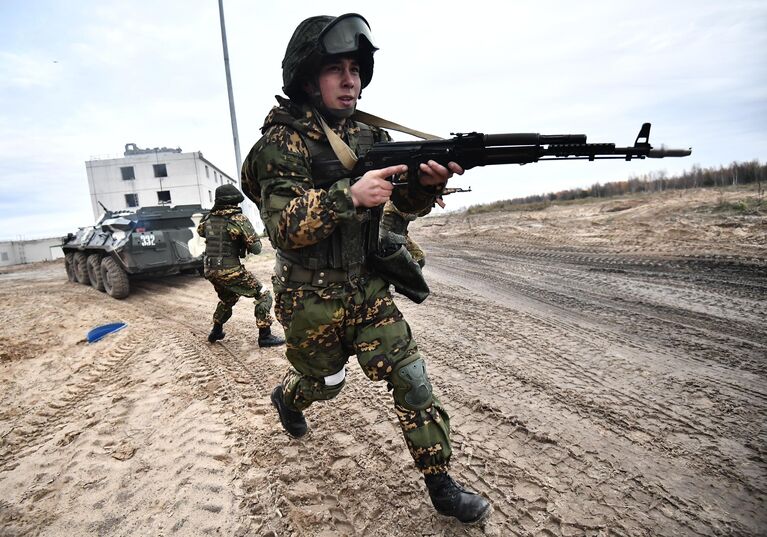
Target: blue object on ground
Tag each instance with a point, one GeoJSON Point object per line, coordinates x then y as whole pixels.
{"type": "Point", "coordinates": [101, 331]}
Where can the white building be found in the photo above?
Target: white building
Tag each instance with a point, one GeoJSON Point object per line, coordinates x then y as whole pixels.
{"type": "Point", "coordinates": [147, 177]}
{"type": "Point", "coordinates": [29, 251]}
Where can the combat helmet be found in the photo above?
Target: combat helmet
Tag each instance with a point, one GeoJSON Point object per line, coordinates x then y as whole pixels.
{"type": "Point", "coordinates": [321, 36]}
{"type": "Point", "coordinates": [228, 195]}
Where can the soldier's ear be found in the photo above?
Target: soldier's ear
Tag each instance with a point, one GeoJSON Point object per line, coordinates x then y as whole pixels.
{"type": "Point", "coordinates": [308, 88]}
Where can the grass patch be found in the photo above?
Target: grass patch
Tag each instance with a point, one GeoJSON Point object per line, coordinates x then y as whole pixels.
{"type": "Point", "coordinates": [512, 205]}
{"type": "Point", "coordinates": [506, 205]}
{"type": "Point", "coordinates": [743, 207]}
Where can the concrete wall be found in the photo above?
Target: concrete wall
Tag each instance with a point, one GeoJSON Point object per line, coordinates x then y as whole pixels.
{"type": "Point", "coordinates": [31, 251]}
{"type": "Point", "coordinates": [190, 179]}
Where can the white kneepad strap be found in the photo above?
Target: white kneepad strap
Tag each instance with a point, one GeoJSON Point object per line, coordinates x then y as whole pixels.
{"type": "Point", "coordinates": [336, 378]}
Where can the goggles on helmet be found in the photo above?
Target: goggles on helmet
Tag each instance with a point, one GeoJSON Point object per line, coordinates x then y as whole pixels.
{"type": "Point", "coordinates": [343, 35]}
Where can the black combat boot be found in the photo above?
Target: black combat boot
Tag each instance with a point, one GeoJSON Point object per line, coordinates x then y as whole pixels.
{"type": "Point", "coordinates": [451, 499]}
{"type": "Point", "coordinates": [267, 339]}
{"type": "Point", "coordinates": [217, 332]}
{"type": "Point", "coordinates": [292, 420]}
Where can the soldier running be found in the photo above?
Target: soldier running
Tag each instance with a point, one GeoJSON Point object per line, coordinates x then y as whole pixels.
{"type": "Point", "coordinates": [229, 235]}
{"type": "Point", "coordinates": [331, 301]}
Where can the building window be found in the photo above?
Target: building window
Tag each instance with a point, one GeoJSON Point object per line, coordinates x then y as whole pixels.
{"type": "Point", "coordinates": [127, 173]}
{"type": "Point", "coordinates": [163, 196]}
{"type": "Point", "coordinates": [131, 200]}
{"type": "Point", "coordinates": [207, 172]}
{"type": "Point", "coordinates": [4, 256]}
{"type": "Point", "coordinates": [160, 170]}
{"type": "Point", "coordinates": [210, 196]}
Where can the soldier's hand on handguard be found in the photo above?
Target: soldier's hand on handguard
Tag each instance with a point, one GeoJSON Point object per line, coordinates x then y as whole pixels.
{"type": "Point", "coordinates": [373, 188]}
{"type": "Point", "coordinates": [435, 174]}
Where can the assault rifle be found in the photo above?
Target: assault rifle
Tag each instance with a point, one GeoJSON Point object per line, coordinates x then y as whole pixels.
{"type": "Point", "coordinates": [456, 190]}
{"type": "Point", "coordinates": [446, 192]}
{"type": "Point", "coordinates": [476, 149]}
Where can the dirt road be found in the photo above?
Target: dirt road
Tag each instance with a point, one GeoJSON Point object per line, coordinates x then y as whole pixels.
{"type": "Point", "coordinates": [603, 364]}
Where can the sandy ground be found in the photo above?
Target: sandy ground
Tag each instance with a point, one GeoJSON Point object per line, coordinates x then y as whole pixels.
{"type": "Point", "coordinates": [604, 366]}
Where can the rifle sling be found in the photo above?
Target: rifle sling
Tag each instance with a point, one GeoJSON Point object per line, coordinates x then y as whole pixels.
{"type": "Point", "coordinates": [344, 153]}
{"type": "Point", "coordinates": [342, 150]}
{"type": "Point", "coordinates": [376, 121]}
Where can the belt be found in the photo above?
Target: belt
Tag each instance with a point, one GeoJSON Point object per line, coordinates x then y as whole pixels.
{"type": "Point", "coordinates": [290, 272]}
{"type": "Point", "coordinates": [222, 262]}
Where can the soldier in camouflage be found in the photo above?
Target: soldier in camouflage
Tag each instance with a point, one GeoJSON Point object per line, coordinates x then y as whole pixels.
{"type": "Point", "coordinates": [229, 235]}
{"type": "Point", "coordinates": [328, 297]}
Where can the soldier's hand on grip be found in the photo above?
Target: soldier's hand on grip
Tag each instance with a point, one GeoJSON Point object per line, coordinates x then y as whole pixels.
{"type": "Point", "coordinates": [373, 188]}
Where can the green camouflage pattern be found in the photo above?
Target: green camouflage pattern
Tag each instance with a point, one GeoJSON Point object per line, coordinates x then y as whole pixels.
{"type": "Point", "coordinates": [427, 435]}
{"type": "Point", "coordinates": [302, 53]}
{"type": "Point", "coordinates": [232, 283]}
{"type": "Point", "coordinates": [276, 175]}
{"type": "Point", "coordinates": [415, 250]}
{"type": "Point", "coordinates": [239, 228]}
{"type": "Point", "coordinates": [323, 329]}
{"type": "Point", "coordinates": [278, 170]}
{"type": "Point", "coordinates": [325, 325]}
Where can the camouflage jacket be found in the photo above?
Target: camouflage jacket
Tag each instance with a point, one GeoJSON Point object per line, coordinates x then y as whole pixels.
{"type": "Point", "coordinates": [277, 176]}
{"type": "Point", "coordinates": [239, 228]}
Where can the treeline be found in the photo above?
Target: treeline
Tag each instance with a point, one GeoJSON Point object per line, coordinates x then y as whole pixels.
{"type": "Point", "coordinates": [736, 173]}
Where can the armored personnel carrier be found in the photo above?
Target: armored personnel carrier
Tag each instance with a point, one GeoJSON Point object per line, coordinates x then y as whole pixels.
{"type": "Point", "coordinates": [126, 245]}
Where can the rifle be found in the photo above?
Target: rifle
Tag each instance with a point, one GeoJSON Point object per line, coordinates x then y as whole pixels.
{"type": "Point", "coordinates": [456, 190]}
{"type": "Point", "coordinates": [477, 149]}
{"type": "Point", "coordinates": [446, 192]}
{"type": "Point", "coordinates": [469, 150]}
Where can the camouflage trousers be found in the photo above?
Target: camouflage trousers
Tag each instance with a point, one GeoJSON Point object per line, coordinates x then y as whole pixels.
{"type": "Point", "coordinates": [232, 283]}
{"type": "Point", "coordinates": [323, 328]}
{"type": "Point", "coordinates": [415, 251]}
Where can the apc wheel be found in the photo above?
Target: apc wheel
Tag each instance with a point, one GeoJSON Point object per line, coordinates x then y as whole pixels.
{"type": "Point", "coordinates": [80, 264]}
{"type": "Point", "coordinates": [69, 265]}
{"type": "Point", "coordinates": [116, 282]}
{"type": "Point", "coordinates": [94, 271]}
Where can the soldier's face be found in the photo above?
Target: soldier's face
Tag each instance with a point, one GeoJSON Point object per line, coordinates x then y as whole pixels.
{"type": "Point", "coordinates": [340, 83]}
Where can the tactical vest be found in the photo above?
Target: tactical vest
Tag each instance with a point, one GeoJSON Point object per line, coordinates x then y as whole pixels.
{"type": "Point", "coordinates": [220, 250]}
{"type": "Point", "coordinates": [352, 241]}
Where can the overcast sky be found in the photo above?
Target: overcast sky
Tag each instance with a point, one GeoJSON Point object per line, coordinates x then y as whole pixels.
{"type": "Point", "coordinates": [82, 79]}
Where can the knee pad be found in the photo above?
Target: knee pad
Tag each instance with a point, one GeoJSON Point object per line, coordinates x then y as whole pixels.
{"type": "Point", "coordinates": [412, 388]}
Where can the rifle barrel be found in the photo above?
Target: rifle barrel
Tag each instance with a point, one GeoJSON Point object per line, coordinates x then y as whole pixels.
{"type": "Point", "coordinates": [532, 138]}
{"type": "Point", "coordinates": [664, 151]}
